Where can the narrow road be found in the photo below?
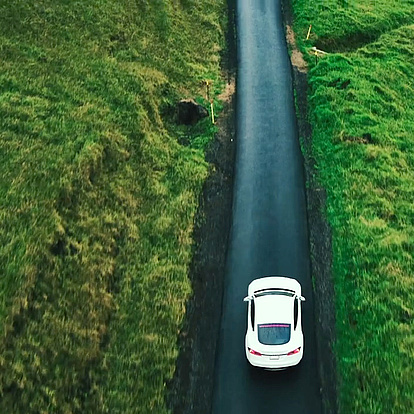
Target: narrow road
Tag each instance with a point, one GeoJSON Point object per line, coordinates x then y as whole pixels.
{"type": "Point", "coordinates": [269, 229]}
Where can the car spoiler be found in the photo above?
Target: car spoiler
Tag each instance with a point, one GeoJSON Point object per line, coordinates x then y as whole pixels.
{"type": "Point", "coordinates": [278, 289]}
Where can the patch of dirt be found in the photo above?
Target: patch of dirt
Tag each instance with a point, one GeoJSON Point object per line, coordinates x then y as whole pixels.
{"type": "Point", "coordinates": [229, 91]}
{"type": "Point", "coordinates": [319, 233]}
{"type": "Point", "coordinates": [296, 57]}
{"type": "Point", "coordinates": [191, 389]}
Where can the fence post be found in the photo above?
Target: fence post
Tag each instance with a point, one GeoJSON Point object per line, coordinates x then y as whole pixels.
{"type": "Point", "coordinates": [307, 36]}
{"type": "Point", "coordinates": [211, 102]}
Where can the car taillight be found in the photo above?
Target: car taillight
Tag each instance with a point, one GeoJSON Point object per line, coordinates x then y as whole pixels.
{"type": "Point", "coordinates": [253, 352]}
{"type": "Point", "coordinates": [295, 351]}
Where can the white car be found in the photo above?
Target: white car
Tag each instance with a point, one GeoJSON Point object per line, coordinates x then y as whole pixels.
{"type": "Point", "coordinates": [274, 338]}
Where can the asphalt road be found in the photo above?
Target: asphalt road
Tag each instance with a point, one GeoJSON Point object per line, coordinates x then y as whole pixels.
{"type": "Point", "coordinates": [269, 228]}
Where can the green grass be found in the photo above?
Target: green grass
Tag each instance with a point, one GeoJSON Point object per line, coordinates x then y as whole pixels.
{"type": "Point", "coordinates": [362, 112]}
{"type": "Point", "coordinates": [343, 24]}
{"type": "Point", "coordinates": [98, 197]}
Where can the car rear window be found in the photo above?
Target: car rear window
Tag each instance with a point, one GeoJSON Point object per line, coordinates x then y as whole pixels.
{"type": "Point", "coordinates": [274, 333]}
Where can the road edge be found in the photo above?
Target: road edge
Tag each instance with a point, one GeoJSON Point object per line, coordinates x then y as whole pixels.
{"type": "Point", "coordinates": [320, 234]}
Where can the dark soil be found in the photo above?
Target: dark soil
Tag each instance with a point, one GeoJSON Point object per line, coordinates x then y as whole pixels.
{"type": "Point", "coordinates": [321, 260]}
{"type": "Point", "coordinates": [320, 240]}
{"type": "Point", "coordinates": [191, 389]}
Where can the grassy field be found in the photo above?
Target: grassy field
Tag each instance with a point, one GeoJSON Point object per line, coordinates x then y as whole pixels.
{"type": "Point", "coordinates": [98, 197]}
{"type": "Point", "coordinates": [362, 111]}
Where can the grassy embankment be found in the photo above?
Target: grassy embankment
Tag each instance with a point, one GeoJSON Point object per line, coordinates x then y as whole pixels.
{"type": "Point", "coordinates": [97, 197]}
{"type": "Point", "coordinates": [362, 112]}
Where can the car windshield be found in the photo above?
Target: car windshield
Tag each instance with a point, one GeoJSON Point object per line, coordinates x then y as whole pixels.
{"type": "Point", "coordinates": [274, 333]}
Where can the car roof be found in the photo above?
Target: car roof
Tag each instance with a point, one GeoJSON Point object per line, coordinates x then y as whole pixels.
{"type": "Point", "coordinates": [274, 308]}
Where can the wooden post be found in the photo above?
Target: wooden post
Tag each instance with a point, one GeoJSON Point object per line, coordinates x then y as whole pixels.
{"type": "Point", "coordinates": [307, 36]}
{"type": "Point", "coordinates": [211, 102]}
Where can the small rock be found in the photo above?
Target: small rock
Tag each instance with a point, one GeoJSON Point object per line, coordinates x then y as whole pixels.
{"type": "Point", "coordinates": [190, 112]}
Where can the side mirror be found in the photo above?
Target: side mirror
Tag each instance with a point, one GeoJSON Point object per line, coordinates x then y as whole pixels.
{"type": "Point", "coordinates": [301, 298]}
{"type": "Point", "coordinates": [247, 298]}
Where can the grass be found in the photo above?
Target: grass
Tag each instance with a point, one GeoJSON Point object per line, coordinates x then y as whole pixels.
{"type": "Point", "coordinates": [98, 197]}
{"type": "Point", "coordinates": [362, 111]}
{"type": "Point", "coordinates": [340, 25]}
